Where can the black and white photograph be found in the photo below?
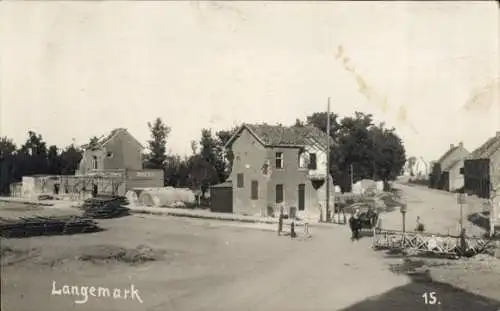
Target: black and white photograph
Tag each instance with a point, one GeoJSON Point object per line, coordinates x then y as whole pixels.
{"type": "Point", "coordinates": [250, 155]}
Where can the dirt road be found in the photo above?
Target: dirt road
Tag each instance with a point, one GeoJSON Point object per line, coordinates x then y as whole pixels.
{"type": "Point", "coordinates": [437, 209]}
{"type": "Point", "coordinates": [212, 266]}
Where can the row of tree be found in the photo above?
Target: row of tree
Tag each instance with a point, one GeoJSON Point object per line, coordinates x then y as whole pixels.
{"type": "Point", "coordinates": [362, 150]}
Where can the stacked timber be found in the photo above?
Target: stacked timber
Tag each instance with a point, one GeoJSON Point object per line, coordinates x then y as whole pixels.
{"type": "Point", "coordinates": [38, 226]}
{"type": "Point", "coordinates": [105, 207]}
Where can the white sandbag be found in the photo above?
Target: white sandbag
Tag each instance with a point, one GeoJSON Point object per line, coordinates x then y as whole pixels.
{"type": "Point", "coordinates": [167, 196]}
{"type": "Point", "coordinates": [357, 188]}
{"type": "Point", "coordinates": [146, 199]}
{"type": "Point", "coordinates": [132, 197]}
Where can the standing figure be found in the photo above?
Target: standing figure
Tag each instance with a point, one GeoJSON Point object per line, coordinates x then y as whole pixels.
{"type": "Point", "coordinates": [355, 225]}
{"type": "Point", "coordinates": [420, 225]}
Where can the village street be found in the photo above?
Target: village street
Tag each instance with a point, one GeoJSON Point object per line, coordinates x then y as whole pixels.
{"type": "Point", "coordinates": [213, 265]}
{"type": "Point", "coordinates": [437, 209]}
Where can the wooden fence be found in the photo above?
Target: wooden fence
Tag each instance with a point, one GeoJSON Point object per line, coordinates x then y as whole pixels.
{"type": "Point", "coordinates": [422, 243]}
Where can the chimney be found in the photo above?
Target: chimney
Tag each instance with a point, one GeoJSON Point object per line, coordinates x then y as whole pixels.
{"type": "Point", "coordinates": [452, 146]}
{"type": "Point", "coordinates": [461, 144]}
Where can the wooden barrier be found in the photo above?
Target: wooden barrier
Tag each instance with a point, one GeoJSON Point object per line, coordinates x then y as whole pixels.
{"type": "Point", "coordinates": [429, 243]}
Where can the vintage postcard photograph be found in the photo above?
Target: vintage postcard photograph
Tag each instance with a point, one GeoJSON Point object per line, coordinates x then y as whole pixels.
{"type": "Point", "coordinates": [249, 155]}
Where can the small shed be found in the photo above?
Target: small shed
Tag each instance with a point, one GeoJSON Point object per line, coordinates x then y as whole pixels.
{"type": "Point", "coordinates": [222, 197]}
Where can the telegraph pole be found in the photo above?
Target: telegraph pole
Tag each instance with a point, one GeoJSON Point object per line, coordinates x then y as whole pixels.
{"type": "Point", "coordinates": [327, 178]}
{"type": "Point", "coordinates": [352, 176]}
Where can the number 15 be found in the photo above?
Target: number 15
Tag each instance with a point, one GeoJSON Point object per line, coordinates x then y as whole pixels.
{"type": "Point", "coordinates": [430, 298]}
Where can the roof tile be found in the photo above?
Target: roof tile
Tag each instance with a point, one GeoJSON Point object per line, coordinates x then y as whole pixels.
{"type": "Point", "coordinates": [295, 135]}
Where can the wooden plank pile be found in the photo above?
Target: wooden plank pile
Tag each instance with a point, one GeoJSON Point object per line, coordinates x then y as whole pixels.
{"type": "Point", "coordinates": [39, 226]}
{"type": "Point", "coordinates": [105, 207]}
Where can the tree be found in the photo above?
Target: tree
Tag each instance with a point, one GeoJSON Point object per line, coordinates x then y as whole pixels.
{"type": "Point", "coordinates": [70, 160]}
{"type": "Point", "coordinates": [176, 172]}
{"type": "Point", "coordinates": [354, 155]}
{"type": "Point", "coordinates": [158, 144]}
{"type": "Point", "coordinates": [362, 150]}
{"type": "Point", "coordinates": [211, 154]}
{"type": "Point", "coordinates": [201, 173]}
{"type": "Point", "coordinates": [319, 119]}
{"type": "Point", "coordinates": [93, 141]}
{"type": "Point", "coordinates": [226, 154]}
{"type": "Point", "coordinates": [389, 154]}
{"type": "Point", "coordinates": [33, 155]}
{"type": "Point", "coordinates": [7, 146]}
{"type": "Point", "coordinates": [7, 164]}
{"type": "Point", "coordinates": [54, 161]}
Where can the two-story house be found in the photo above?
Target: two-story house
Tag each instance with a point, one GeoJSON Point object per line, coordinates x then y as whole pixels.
{"type": "Point", "coordinates": [118, 154]}
{"type": "Point", "coordinates": [277, 166]}
{"type": "Point", "coordinates": [117, 150]}
{"type": "Point", "coordinates": [446, 171]}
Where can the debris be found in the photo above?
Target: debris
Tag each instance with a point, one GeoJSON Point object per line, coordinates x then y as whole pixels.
{"type": "Point", "coordinates": [111, 253]}
{"type": "Point", "coordinates": [106, 207]}
{"type": "Point", "coordinates": [38, 226]}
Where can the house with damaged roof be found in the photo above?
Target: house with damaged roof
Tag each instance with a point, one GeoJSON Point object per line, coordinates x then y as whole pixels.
{"type": "Point", "coordinates": [118, 155]}
{"type": "Point", "coordinates": [447, 170]}
{"type": "Point", "coordinates": [110, 165]}
{"type": "Point", "coordinates": [482, 168]}
{"type": "Point", "coordinates": [116, 150]}
{"type": "Point", "coordinates": [279, 167]}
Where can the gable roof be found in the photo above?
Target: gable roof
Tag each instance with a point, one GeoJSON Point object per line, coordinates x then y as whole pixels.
{"type": "Point", "coordinates": [451, 165]}
{"type": "Point", "coordinates": [450, 151]}
{"type": "Point", "coordinates": [278, 135]}
{"type": "Point", "coordinates": [486, 150]}
{"type": "Point", "coordinates": [104, 139]}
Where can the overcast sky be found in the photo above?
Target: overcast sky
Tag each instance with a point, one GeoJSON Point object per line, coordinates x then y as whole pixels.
{"type": "Point", "coordinates": [75, 70]}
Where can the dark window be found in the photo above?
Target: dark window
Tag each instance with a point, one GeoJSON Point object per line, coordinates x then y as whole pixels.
{"type": "Point", "coordinates": [302, 198]}
{"type": "Point", "coordinates": [312, 161]}
{"type": "Point", "coordinates": [240, 180]}
{"type": "Point", "coordinates": [279, 159]}
{"type": "Point", "coordinates": [462, 170]}
{"type": "Point", "coordinates": [95, 162]}
{"type": "Point", "coordinates": [279, 193]}
{"type": "Point", "coordinates": [255, 190]}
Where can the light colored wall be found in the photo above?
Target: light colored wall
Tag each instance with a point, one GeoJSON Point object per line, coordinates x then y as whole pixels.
{"type": "Point", "coordinates": [456, 179]}
{"type": "Point", "coordinates": [124, 154]}
{"type": "Point", "coordinates": [321, 161]}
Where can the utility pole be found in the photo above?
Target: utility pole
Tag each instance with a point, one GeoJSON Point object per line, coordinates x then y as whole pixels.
{"type": "Point", "coordinates": [352, 175]}
{"type": "Point", "coordinates": [327, 176]}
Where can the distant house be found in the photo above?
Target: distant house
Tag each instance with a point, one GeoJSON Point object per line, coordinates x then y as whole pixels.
{"type": "Point", "coordinates": [446, 171]}
{"type": "Point", "coordinates": [117, 150]}
{"type": "Point", "coordinates": [482, 168]}
{"type": "Point", "coordinates": [277, 166]}
{"type": "Point", "coordinates": [118, 155]}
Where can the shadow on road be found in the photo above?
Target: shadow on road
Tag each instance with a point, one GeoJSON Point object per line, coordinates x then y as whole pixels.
{"type": "Point", "coordinates": [411, 297]}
